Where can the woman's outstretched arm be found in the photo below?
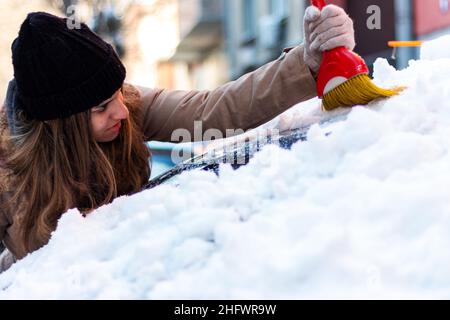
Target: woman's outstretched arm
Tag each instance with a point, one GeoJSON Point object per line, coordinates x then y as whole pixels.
{"type": "Point", "coordinates": [246, 103]}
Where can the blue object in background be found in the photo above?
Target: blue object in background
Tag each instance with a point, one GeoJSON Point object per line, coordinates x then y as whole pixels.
{"type": "Point", "coordinates": [162, 159]}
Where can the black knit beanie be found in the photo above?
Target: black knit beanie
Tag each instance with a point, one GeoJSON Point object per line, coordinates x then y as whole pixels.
{"type": "Point", "coordinates": [61, 71]}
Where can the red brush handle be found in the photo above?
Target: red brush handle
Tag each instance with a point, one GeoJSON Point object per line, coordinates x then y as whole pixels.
{"type": "Point", "coordinates": [339, 62]}
{"type": "Point", "coordinates": [319, 3]}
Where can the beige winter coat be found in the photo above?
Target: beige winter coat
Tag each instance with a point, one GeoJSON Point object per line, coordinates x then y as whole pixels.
{"type": "Point", "coordinates": [245, 103]}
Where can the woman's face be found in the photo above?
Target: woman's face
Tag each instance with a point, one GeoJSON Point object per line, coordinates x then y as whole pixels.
{"type": "Point", "coordinates": [106, 118]}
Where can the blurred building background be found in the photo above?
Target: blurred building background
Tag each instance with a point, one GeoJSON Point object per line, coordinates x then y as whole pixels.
{"type": "Point", "coordinates": [200, 44]}
{"type": "Point", "coordinates": [257, 30]}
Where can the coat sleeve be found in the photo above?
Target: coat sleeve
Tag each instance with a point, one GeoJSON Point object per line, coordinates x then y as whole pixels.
{"type": "Point", "coordinates": [246, 103]}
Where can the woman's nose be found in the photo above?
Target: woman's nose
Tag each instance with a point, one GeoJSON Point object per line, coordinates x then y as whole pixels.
{"type": "Point", "coordinates": [120, 111]}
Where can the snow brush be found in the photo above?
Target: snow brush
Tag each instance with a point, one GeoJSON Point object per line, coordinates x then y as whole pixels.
{"type": "Point", "coordinates": [343, 79]}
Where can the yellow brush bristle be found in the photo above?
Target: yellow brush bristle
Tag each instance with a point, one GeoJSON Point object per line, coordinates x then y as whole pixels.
{"type": "Point", "coordinates": [359, 90]}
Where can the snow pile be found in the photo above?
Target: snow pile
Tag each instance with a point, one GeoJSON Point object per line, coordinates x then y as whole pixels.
{"type": "Point", "coordinates": [436, 49]}
{"type": "Point", "coordinates": [362, 213]}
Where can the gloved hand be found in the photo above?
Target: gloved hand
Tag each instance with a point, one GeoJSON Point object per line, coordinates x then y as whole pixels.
{"type": "Point", "coordinates": [324, 31]}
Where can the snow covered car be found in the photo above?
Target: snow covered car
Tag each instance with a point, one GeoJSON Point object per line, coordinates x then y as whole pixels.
{"type": "Point", "coordinates": [237, 154]}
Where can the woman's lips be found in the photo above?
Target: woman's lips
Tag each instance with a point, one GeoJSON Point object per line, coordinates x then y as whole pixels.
{"type": "Point", "coordinates": [117, 126]}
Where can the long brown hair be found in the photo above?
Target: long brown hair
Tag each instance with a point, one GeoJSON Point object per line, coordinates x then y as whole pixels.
{"type": "Point", "coordinates": [57, 165]}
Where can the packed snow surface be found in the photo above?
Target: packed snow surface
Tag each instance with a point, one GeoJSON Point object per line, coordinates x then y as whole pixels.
{"type": "Point", "coordinates": [361, 213]}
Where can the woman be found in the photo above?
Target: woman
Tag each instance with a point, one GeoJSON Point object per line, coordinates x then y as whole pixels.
{"type": "Point", "coordinates": [72, 134]}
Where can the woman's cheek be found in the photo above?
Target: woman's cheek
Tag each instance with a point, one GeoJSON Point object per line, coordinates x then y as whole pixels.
{"type": "Point", "coordinates": [97, 125]}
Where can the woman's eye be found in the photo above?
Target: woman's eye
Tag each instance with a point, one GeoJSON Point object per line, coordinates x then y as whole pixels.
{"type": "Point", "coordinates": [98, 109]}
